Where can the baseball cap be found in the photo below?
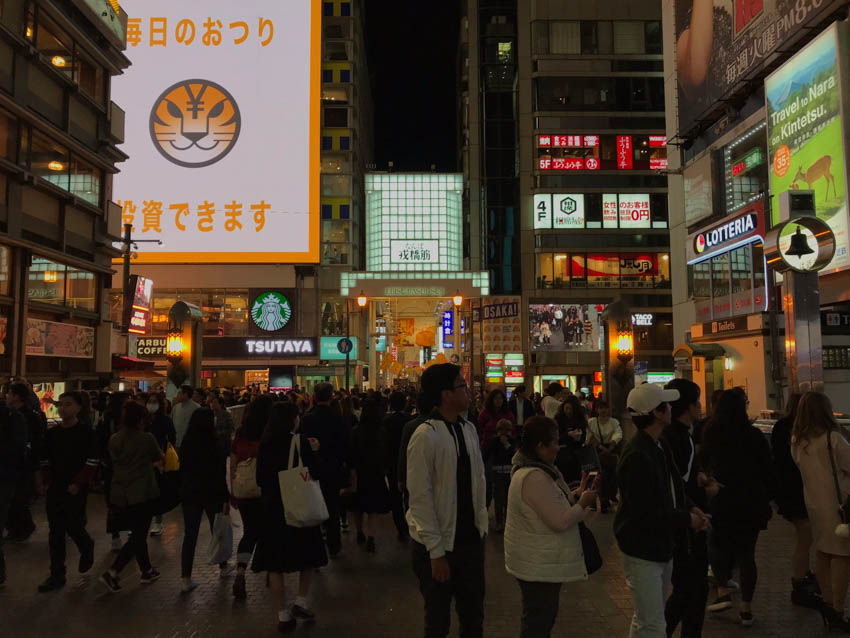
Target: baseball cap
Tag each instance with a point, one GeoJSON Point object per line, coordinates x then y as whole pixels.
{"type": "Point", "coordinates": [648, 396]}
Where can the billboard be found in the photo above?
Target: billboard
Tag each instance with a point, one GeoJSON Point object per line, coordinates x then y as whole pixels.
{"type": "Point", "coordinates": [805, 135]}
{"type": "Point", "coordinates": [222, 130]}
{"type": "Point", "coordinates": [722, 44]}
{"type": "Point", "coordinates": [564, 326]}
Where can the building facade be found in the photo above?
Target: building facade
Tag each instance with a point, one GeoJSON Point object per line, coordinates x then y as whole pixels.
{"type": "Point", "coordinates": [740, 142]}
{"type": "Point", "coordinates": [563, 113]}
{"type": "Point", "coordinates": [59, 132]}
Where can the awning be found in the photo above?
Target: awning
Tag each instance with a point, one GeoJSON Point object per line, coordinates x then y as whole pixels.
{"type": "Point", "coordinates": [120, 362]}
{"type": "Point", "coordinates": [140, 374]}
{"type": "Point", "coordinates": [707, 350]}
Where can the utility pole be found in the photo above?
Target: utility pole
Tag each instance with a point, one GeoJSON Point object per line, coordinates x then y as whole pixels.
{"type": "Point", "coordinates": [129, 243]}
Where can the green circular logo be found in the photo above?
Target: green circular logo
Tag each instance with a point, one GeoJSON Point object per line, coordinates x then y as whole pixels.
{"type": "Point", "coordinates": [271, 311]}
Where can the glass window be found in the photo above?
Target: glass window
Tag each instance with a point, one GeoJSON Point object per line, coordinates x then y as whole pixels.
{"type": "Point", "coordinates": [603, 271]}
{"type": "Point", "coordinates": [562, 271]}
{"type": "Point", "coordinates": [85, 181]}
{"type": "Point", "coordinates": [89, 75]}
{"type": "Point", "coordinates": [81, 289]}
{"type": "Point", "coordinates": [545, 276]}
{"type": "Point", "coordinates": [5, 271]}
{"type": "Point", "coordinates": [8, 135]}
{"type": "Point", "coordinates": [336, 231]}
{"type": "Point", "coordinates": [336, 163]}
{"type": "Point", "coordinates": [336, 185]}
{"type": "Point", "coordinates": [333, 316]}
{"type": "Point", "coordinates": [564, 38]}
{"type": "Point", "coordinates": [746, 169]}
{"type": "Point", "coordinates": [578, 271]}
{"type": "Point", "coordinates": [653, 35]}
{"type": "Point", "coordinates": [664, 270]}
{"type": "Point", "coordinates": [46, 281]}
{"type": "Point", "coordinates": [742, 283]}
{"type": "Point", "coordinates": [628, 37]}
{"type": "Point", "coordinates": [720, 283]}
{"type": "Point", "coordinates": [760, 292]}
{"type": "Point", "coordinates": [335, 254]}
{"type": "Point", "coordinates": [55, 45]}
{"type": "Point", "coordinates": [336, 117]}
{"type": "Point", "coordinates": [50, 160]}
{"type": "Point", "coordinates": [338, 94]}
{"type": "Point", "coordinates": [540, 37]}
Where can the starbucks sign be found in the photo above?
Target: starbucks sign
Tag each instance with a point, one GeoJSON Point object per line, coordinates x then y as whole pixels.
{"type": "Point", "coordinates": [271, 311]}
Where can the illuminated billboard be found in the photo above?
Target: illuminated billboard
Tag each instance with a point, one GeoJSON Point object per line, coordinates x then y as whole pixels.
{"type": "Point", "coordinates": [414, 222]}
{"type": "Point", "coordinates": [222, 130]}
{"type": "Point", "coordinates": [565, 326]}
{"type": "Point", "coordinates": [805, 134]}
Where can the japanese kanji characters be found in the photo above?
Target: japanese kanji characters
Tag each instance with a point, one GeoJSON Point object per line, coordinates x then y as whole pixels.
{"type": "Point", "coordinates": [185, 31]}
{"type": "Point", "coordinates": [206, 219]}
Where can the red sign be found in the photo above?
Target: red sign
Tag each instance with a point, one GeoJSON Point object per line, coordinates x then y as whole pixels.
{"type": "Point", "coordinates": [591, 141]}
{"type": "Point", "coordinates": [745, 12]}
{"type": "Point", "coordinates": [544, 141]}
{"type": "Point", "coordinates": [625, 155]}
{"type": "Point", "coordinates": [567, 164]}
{"type": "Point", "coordinates": [657, 141]}
{"type": "Point", "coordinates": [658, 164]}
{"type": "Point", "coordinates": [545, 163]}
{"type": "Point", "coordinates": [568, 141]}
{"type": "Point", "coordinates": [138, 324]}
{"type": "Point", "coordinates": [739, 168]}
{"type": "Point", "coordinates": [591, 164]}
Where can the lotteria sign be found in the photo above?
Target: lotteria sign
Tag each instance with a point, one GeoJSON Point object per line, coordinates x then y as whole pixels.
{"type": "Point", "coordinates": [728, 234]}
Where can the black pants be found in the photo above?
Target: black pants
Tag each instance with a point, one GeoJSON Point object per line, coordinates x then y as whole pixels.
{"type": "Point", "coordinates": [501, 483]}
{"type": "Point", "coordinates": [398, 509]}
{"type": "Point", "coordinates": [330, 490]}
{"type": "Point", "coordinates": [730, 547]}
{"type": "Point", "coordinates": [7, 492]}
{"type": "Point", "coordinates": [66, 516]}
{"type": "Point", "coordinates": [539, 608]}
{"type": "Point", "coordinates": [608, 471]}
{"type": "Point", "coordinates": [138, 519]}
{"type": "Point", "coordinates": [251, 511]}
{"type": "Point", "coordinates": [690, 588]}
{"type": "Point", "coordinates": [466, 586]}
{"type": "Point", "coordinates": [20, 521]}
{"type": "Point", "coordinates": [192, 514]}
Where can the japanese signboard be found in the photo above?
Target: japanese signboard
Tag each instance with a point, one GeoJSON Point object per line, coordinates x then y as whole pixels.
{"type": "Point", "coordinates": [722, 44]}
{"type": "Point", "coordinates": [224, 163]}
{"type": "Point", "coordinates": [500, 324]}
{"type": "Point", "coordinates": [625, 154]}
{"type": "Point", "coordinates": [805, 135]}
{"type": "Point", "coordinates": [137, 309]}
{"type": "Point", "coordinates": [634, 211]}
{"type": "Point", "coordinates": [414, 252]}
{"type": "Point", "coordinates": [52, 339]}
{"type": "Point", "coordinates": [727, 234]}
{"type": "Point", "coordinates": [568, 211]}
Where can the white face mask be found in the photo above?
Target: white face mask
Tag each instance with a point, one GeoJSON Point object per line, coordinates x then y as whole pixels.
{"type": "Point", "coordinates": [153, 408]}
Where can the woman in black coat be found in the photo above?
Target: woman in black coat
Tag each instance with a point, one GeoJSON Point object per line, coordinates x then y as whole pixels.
{"type": "Point", "coordinates": [282, 549]}
{"type": "Point", "coordinates": [162, 428]}
{"type": "Point", "coordinates": [572, 435]}
{"type": "Point", "coordinates": [204, 489]}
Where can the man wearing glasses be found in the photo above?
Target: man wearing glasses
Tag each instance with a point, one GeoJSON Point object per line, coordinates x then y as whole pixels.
{"type": "Point", "coordinates": [448, 512]}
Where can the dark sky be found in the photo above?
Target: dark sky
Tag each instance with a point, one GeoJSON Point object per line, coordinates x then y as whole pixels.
{"type": "Point", "coordinates": [412, 49]}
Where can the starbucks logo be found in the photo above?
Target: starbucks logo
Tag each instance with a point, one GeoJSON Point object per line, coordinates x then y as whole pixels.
{"type": "Point", "coordinates": [271, 311]}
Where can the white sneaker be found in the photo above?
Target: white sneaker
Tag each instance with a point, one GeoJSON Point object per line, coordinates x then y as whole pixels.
{"type": "Point", "coordinates": [117, 544]}
{"type": "Point", "coordinates": [156, 529]}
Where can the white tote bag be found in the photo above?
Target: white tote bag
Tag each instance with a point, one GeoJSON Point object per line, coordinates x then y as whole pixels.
{"type": "Point", "coordinates": [221, 544]}
{"type": "Point", "coordinates": [302, 497]}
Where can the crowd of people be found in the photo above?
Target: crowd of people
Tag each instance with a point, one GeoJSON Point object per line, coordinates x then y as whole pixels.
{"type": "Point", "coordinates": [691, 492]}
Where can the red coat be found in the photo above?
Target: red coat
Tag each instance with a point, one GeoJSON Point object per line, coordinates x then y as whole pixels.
{"type": "Point", "coordinates": [488, 422]}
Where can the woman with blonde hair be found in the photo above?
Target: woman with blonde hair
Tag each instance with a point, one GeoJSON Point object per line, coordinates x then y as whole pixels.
{"type": "Point", "coordinates": [823, 456]}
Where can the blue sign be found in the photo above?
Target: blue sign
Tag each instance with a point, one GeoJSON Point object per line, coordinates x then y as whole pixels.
{"type": "Point", "coordinates": [448, 323]}
{"type": "Point", "coordinates": [345, 346]}
{"type": "Point", "coordinates": [333, 348]}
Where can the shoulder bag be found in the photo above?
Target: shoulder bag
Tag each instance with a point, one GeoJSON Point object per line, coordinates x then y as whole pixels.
{"type": "Point", "coordinates": [303, 503]}
{"type": "Point", "coordinates": [245, 481]}
{"type": "Point", "coordinates": [590, 549]}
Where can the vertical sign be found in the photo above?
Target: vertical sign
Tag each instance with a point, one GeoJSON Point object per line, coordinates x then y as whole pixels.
{"type": "Point", "coordinates": [634, 211]}
{"type": "Point", "coordinates": [625, 155]}
{"type": "Point", "coordinates": [542, 211]}
{"type": "Point", "coordinates": [610, 210]}
{"type": "Point", "coordinates": [568, 211]}
{"type": "Point", "coordinates": [448, 323]}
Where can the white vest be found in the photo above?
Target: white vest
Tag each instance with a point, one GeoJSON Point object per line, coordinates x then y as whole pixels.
{"type": "Point", "coordinates": [533, 552]}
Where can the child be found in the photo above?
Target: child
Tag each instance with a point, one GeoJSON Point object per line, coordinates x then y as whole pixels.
{"type": "Point", "coordinates": [498, 456]}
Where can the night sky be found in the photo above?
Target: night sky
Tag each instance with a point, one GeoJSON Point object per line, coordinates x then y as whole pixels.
{"type": "Point", "coordinates": [412, 49]}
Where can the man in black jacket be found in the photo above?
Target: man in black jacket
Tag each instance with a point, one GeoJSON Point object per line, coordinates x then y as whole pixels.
{"type": "Point", "coordinates": [522, 408]}
{"type": "Point", "coordinates": [690, 561]}
{"type": "Point", "coordinates": [326, 425]}
{"type": "Point", "coordinates": [654, 509]}
{"type": "Point", "coordinates": [13, 458]}
{"type": "Point", "coordinates": [394, 427]}
{"type": "Point", "coordinates": [20, 522]}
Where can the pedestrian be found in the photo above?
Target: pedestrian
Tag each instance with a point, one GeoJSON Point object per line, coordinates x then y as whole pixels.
{"type": "Point", "coordinates": [653, 510]}
{"type": "Point", "coordinates": [369, 460]}
{"type": "Point", "coordinates": [448, 512]}
{"type": "Point", "coordinates": [13, 467]}
{"type": "Point", "coordinates": [498, 457]}
{"type": "Point", "coordinates": [736, 454]}
{"type": "Point", "coordinates": [394, 428]}
{"type": "Point", "coordinates": [686, 604]}
{"type": "Point", "coordinates": [244, 452]}
{"type": "Point", "coordinates": [223, 422]}
{"type": "Point", "coordinates": [572, 428]}
{"type": "Point", "coordinates": [550, 403]}
{"type": "Point", "coordinates": [327, 427]}
{"type": "Point", "coordinates": [495, 409]}
{"type": "Point", "coordinates": [109, 425]}
{"type": "Point", "coordinates": [282, 549]}
{"type": "Point", "coordinates": [20, 521]}
{"type": "Point", "coordinates": [423, 411]}
{"type": "Point", "coordinates": [823, 455]}
{"type": "Point", "coordinates": [542, 542]}
{"type": "Point", "coordinates": [791, 505]}
{"type": "Point", "coordinates": [182, 407]}
{"type": "Point", "coordinates": [521, 407]}
{"type": "Point", "coordinates": [134, 491]}
{"type": "Point", "coordinates": [162, 428]}
{"type": "Point", "coordinates": [605, 433]}
{"type": "Point", "coordinates": [204, 488]}
{"type": "Point", "coordinates": [68, 464]}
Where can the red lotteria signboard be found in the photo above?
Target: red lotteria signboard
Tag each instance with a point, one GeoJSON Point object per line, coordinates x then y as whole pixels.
{"type": "Point", "coordinates": [625, 155]}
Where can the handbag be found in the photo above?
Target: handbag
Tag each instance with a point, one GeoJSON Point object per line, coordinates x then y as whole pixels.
{"type": "Point", "coordinates": [172, 461]}
{"type": "Point", "coordinates": [303, 503]}
{"type": "Point", "coordinates": [245, 482]}
{"type": "Point", "coordinates": [590, 549]}
{"type": "Point", "coordinates": [221, 544]}
{"type": "Point", "coordinates": [843, 504]}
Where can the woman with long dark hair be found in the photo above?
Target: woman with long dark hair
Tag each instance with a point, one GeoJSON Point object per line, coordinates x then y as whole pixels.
{"type": "Point", "coordinates": [495, 409]}
{"type": "Point", "coordinates": [204, 489]}
{"type": "Point", "coordinates": [737, 456]}
{"type": "Point", "coordinates": [572, 436]}
{"type": "Point", "coordinates": [243, 462]}
{"type": "Point", "coordinates": [282, 549]}
{"type": "Point", "coordinates": [162, 428]}
{"type": "Point", "coordinates": [823, 455]}
{"type": "Point", "coordinates": [369, 463]}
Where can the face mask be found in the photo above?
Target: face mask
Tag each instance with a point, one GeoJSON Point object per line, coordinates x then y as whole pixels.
{"type": "Point", "coordinates": [153, 408]}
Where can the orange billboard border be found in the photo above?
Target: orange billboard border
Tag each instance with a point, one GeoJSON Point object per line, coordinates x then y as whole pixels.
{"type": "Point", "coordinates": [311, 256]}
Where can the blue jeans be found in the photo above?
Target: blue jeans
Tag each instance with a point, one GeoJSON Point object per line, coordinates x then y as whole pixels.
{"type": "Point", "coordinates": [649, 583]}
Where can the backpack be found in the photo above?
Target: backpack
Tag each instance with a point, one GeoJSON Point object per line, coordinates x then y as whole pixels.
{"type": "Point", "coordinates": [245, 482]}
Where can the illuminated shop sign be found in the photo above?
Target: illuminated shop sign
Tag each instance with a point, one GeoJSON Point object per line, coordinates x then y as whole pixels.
{"type": "Point", "coordinates": [624, 210]}
{"type": "Point", "coordinates": [727, 233]}
{"type": "Point", "coordinates": [642, 320]}
{"type": "Point", "coordinates": [281, 346]}
{"type": "Point", "coordinates": [514, 369]}
{"type": "Point", "coordinates": [749, 161]}
{"type": "Point", "coordinates": [330, 349]}
{"type": "Point", "coordinates": [579, 152]}
{"type": "Point", "coordinates": [414, 252]}
{"type": "Point", "coordinates": [271, 311]}
{"type": "Point", "coordinates": [625, 155]}
{"type": "Point", "coordinates": [448, 323]}
{"type": "Point", "coordinates": [137, 313]}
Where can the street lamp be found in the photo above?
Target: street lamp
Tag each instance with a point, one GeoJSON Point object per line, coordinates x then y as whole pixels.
{"type": "Point", "coordinates": [362, 300]}
{"type": "Point", "coordinates": [174, 345]}
{"type": "Point", "coordinates": [625, 346]}
{"type": "Point", "coordinates": [457, 299]}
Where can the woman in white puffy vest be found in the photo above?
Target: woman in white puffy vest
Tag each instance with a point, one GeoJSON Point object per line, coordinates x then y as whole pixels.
{"type": "Point", "coordinates": [542, 541]}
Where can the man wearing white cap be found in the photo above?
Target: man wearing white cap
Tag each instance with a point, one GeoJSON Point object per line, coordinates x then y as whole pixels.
{"type": "Point", "coordinates": [653, 509]}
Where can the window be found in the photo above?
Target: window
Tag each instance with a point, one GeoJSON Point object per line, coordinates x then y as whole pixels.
{"type": "Point", "coordinates": [629, 37]}
{"type": "Point", "coordinates": [336, 117]}
{"type": "Point", "coordinates": [336, 51]}
{"type": "Point", "coordinates": [8, 135]}
{"type": "Point", "coordinates": [336, 231]}
{"type": "Point", "coordinates": [225, 312]}
{"type": "Point", "coordinates": [46, 281]}
{"type": "Point", "coordinates": [338, 94]}
{"type": "Point", "coordinates": [50, 160]}
{"type": "Point", "coordinates": [345, 9]}
{"type": "Point", "coordinates": [602, 270]}
{"type": "Point", "coordinates": [345, 76]}
{"type": "Point", "coordinates": [328, 9]}
{"type": "Point", "coordinates": [336, 185]}
{"type": "Point", "coordinates": [545, 271]}
{"type": "Point", "coordinates": [336, 163]}
{"type": "Point", "coordinates": [745, 169]}
{"type": "Point", "coordinates": [564, 38]}
{"type": "Point", "coordinates": [85, 181]}
{"type": "Point", "coordinates": [327, 143]}
{"type": "Point", "coordinates": [327, 76]}
{"type": "Point", "coordinates": [345, 143]}
{"type": "Point", "coordinates": [89, 76]}
{"type": "Point", "coordinates": [720, 282]}
{"type": "Point", "coordinates": [653, 38]}
{"type": "Point", "coordinates": [335, 254]}
{"type": "Point", "coordinates": [81, 291]}
{"type": "Point", "coordinates": [333, 316]}
{"type": "Point", "coordinates": [596, 38]}
{"type": "Point", "coordinates": [5, 271]}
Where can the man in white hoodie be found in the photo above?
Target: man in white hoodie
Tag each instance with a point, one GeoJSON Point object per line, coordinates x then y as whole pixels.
{"type": "Point", "coordinates": [448, 512]}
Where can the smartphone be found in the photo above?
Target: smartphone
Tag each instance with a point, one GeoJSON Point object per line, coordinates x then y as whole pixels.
{"type": "Point", "coordinates": [592, 480]}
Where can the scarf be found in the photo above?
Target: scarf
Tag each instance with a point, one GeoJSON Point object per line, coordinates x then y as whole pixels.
{"type": "Point", "coordinates": [520, 460]}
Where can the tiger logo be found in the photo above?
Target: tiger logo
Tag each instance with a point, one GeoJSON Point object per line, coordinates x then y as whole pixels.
{"type": "Point", "coordinates": [195, 123]}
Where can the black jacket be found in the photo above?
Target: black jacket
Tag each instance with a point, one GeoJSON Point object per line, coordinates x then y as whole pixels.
{"type": "Point", "coordinates": [394, 429]}
{"type": "Point", "coordinates": [789, 492]}
{"type": "Point", "coordinates": [406, 435]}
{"type": "Point", "coordinates": [678, 437]}
{"type": "Point", "coordinates": [647, 523]}
{"type": "Point", "coordinates": [326, 425]}
{"type": "Point", "coordinates": [162, 428]}
{"type": "Point", "coordinates": [203, 469]}
{"type": "Point", "coordinates": [527, 412]}
{"type": "Point", "coordinates": [13, 445]}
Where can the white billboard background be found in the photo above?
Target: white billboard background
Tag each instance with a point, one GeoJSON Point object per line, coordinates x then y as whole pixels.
{"type": "Point", "coordinates": [270, 160]}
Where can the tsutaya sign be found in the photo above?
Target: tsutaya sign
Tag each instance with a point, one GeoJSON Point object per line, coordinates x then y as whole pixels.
{"type": "Point", "coordinates": [727, 235]}
{"type": "Point", "coordinates": [281, 346]}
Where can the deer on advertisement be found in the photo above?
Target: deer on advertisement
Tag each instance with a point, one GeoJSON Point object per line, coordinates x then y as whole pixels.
{"type": "Point", "coordinates": [817, 170]}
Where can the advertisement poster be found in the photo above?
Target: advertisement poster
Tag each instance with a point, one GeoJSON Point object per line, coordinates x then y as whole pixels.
{"type": "Point", "coordinates": [406, 327]}
{"type": "Point", "coordinates": [51, 339]}
{"type": "Point", "coordinates": [721, 44]}
{"type": "Point", "coordinates": [224, 164]}
{"type": "Point", "coordinates": [48, 394]}
{"type": "Point", "coordinates": [805, 135]}
{"type": "Point", "coordinates": [561, 327]}
{"type": "Point", "coordinates": [501, 325]}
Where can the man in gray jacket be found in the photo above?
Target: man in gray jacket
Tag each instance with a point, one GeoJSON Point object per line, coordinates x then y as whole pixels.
{"type": "Point", "coordinates": [448, 512]}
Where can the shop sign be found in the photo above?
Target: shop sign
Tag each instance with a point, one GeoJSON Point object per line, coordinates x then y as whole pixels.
{"type": "Point", "coordinates": [754, 158]}
{"type": "Point", "coordinates": [568, 211]}
{"type": "Point", "coordinates": [151, 347]}
{"type": "Point", "coordinates": [496, 311]}
{"type": "Point", "coordinates": [271, 311]}
{"type": "Point", "coordinates": [727, 234]}
{"type": "Point", "coordinates": [643, 320]}
{"type": "Point", "coordinates": [414, 291]}
{"type": "Point", "coordinates": [414, 252]}
{"type": "Point", "coordinates": [280, 346]}
{"type": "Point", "coordinates": [625, 155]}
{"type": "Point", "coordinates": [137, 308]}
{"type": "Point", "coordinates": [330, 349]}
{"type": "Point", "coordinates": [736, 324]}
{"type": "Point", "coordinates": [634, 211]}
{"type": "Point", "coordinates": [835, 322]}
{"type": "Point", "coordinates": [238, 347]}
{"type": "Point", "coordinates": [53, 339]}
{"type": "Point", "coordinates": [514, 369]}
{"type": "Point", "coordinates": [448, 323]}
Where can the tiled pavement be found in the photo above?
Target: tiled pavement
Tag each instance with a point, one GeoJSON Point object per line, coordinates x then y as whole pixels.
{"type": "Point", "coordinates": [357, 596]}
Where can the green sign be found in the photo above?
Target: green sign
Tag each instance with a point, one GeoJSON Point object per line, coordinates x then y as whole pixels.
{"type": "Point", "coordinates": [271, 311]}
{"type": "Point", "coordinates": [805, 134]}
{"type": "Point", "coordinates": [329, 349]}
{"type": "Point", "coordinates": [753, 158]}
